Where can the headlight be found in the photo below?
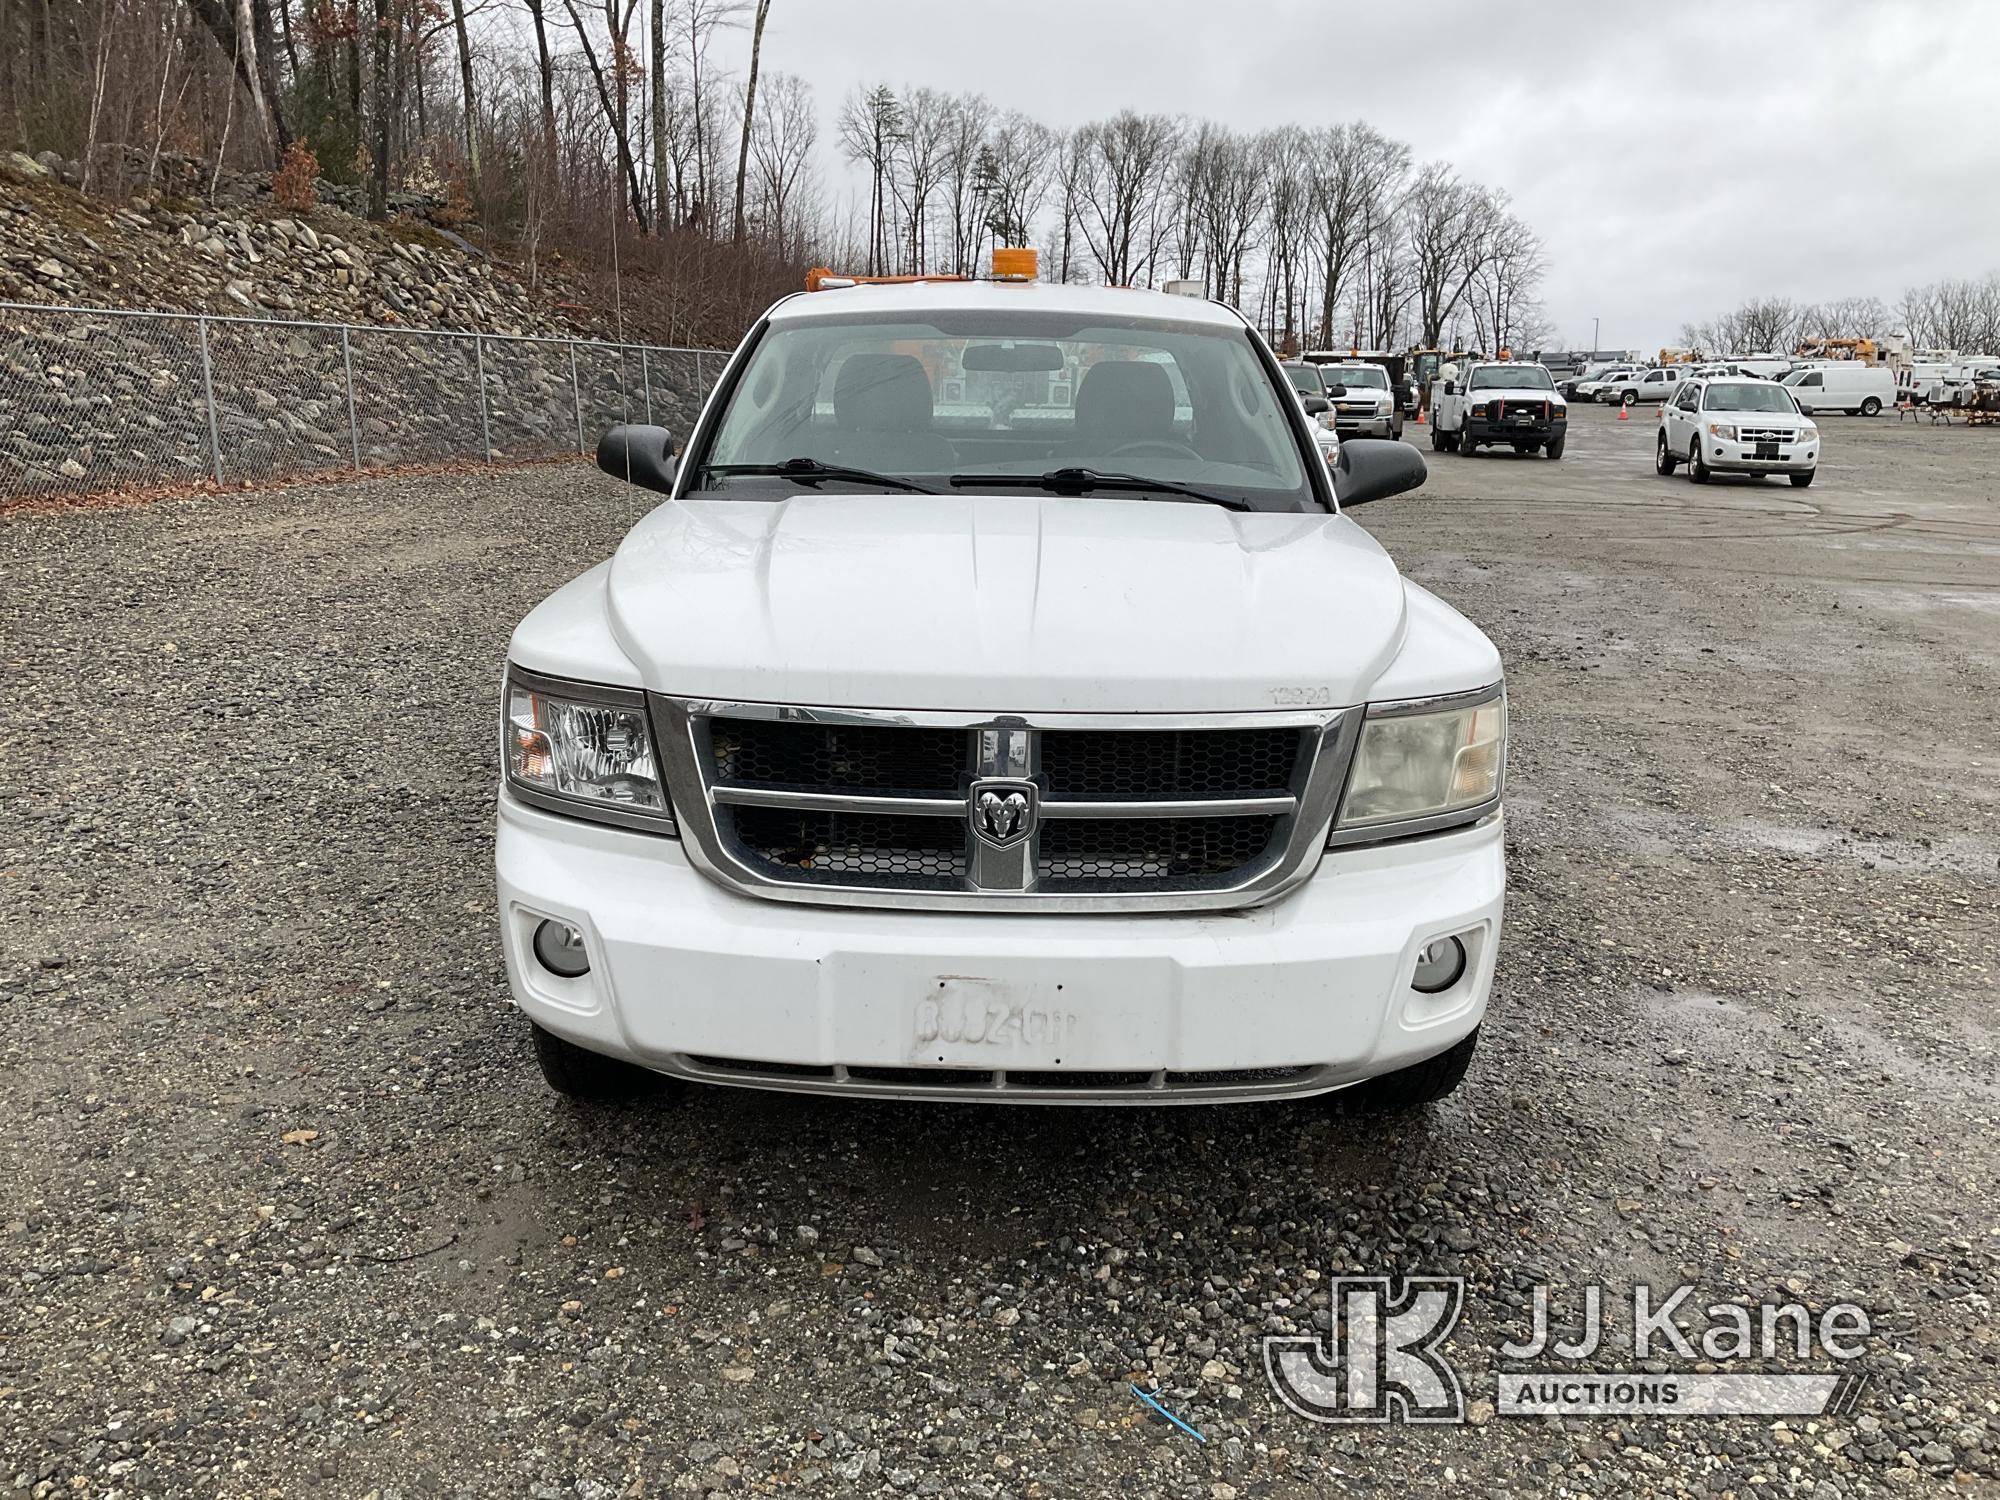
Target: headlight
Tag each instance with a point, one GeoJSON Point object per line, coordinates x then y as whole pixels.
{"type": "Point", "coordinates": [1327, 419]}
{"type": "Point", "coordinates": [585, 750]}
{"type": "Point", "coordinates": [1559, 413]}
{"type": "Point", "coordinates": [1425, 764]}
{"type": "Point", "coordinates": [1807, 432]}
{"type": "Point", "coordinates": [1723, 430]}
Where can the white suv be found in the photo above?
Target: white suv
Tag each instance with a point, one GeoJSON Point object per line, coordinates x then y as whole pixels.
{"type": "Point", "coordinates": [1078, 750]}
{"type": "Point", "coordinates": [1594, 387]}
{"type": "Point", "coordinates": [1736, 426]}
{"type": "Point", "coordinates": [1646, 386]}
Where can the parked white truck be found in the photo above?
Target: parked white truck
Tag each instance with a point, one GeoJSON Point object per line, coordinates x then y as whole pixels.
{"type": "Point", "coordinates": [1501, 403]}
{"type": "Point", "coordinates": [1091, 758]}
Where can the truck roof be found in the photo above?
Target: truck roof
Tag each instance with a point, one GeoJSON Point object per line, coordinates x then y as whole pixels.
{"type": "Point", "coordinates": [902, 299]}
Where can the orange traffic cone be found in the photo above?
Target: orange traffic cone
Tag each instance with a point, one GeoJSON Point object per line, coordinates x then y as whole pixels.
{"type": "Point", "coordinates": [1624, 412]}
{"type": "Point", "coordinates": [1420, 416]}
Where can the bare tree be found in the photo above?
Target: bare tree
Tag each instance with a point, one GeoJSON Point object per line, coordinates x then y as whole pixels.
{"type": "Point", "coordinates": [1123, 169]}
{"type": "Point", "coordinates": [1355, 174]}
{"type": "Point", "coordinates": [749, 115]}
{"type": "Point", "coordinates": [470, 95]}
{"type": "Point", "coordinates": [1446, 225]}
{"type": "Point", "coordinates": [1510, 266]}
{"type": "Point", "coordinates": [969, 183]}
{"type": "Point", "coordinates": [871, 124]}
{"type": "Point", "coordinates": [1015, 166]}
{"type": "Point", "coordinates": [613, 90]}
{"type": "Point", "coordinates": [918, 166]}
{"type": "Point", "coordinates": [782, 146]}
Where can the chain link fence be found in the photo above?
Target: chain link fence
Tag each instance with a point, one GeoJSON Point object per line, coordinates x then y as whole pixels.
{"type": "Point", "coordinates": [97, 399]}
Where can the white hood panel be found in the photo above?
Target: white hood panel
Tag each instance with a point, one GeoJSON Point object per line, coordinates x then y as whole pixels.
{"type": "Point", "coordinates": [1004, 604]}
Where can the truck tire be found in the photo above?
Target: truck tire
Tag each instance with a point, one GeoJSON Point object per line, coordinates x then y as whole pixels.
{"type": "Point", "coordinates": [1800, 481]}
{"type": "Point", "coordinates": [578, 1073]}
{"type": "Point", "coordinates": [1664, 458]}
{"type": "Point", "coordinates": [1871, 407]}
{"type": "Point", "coordinates": [1437, 438]}
{"type": "Point", "coordinates": [1697, 470]}
{"type": "Point", "coordinates": [1413, 1087]}
{"type": "Point", "coordinates": [1555, 449]}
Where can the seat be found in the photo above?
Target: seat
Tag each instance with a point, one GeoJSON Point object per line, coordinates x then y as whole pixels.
{"type": "Point", "coordinates": [1123, 401]}
{"type": "Point", "coordinates": [882, 413]}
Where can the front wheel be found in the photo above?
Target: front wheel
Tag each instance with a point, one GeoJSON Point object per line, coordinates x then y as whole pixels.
{"type": "Point", "coordinates": [578, 1073]}
{"type": "Point", "coordinates": [1413, 1087]}
{"type": "Point", "coordinates": [1697, 470]}
{"type": "Point", "coordinates": [1555, 449]}
{"type": "Point", "coordinates": [1871, 407]}
{"type": "Point", "coordinates": [1664, 461]}
{"type": "Point", "coordinates": [1800, 481]}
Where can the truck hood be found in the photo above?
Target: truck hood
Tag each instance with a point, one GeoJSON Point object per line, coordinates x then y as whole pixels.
{"type": "Point", "coordinates": [1004, 604]}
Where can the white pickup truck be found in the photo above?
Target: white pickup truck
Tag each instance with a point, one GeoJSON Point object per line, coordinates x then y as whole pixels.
{"type": "Point", "coordinates": [1083, 751]}
{"type": "Point", "coordinates": [1500, 403]}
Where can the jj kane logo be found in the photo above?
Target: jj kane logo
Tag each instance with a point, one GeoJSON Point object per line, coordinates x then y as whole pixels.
{"type": "Point", "coordinates": [1384, 1357]}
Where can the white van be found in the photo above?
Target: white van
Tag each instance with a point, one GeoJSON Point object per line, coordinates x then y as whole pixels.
{"type": "Point", "coordinates": [1843, 385]}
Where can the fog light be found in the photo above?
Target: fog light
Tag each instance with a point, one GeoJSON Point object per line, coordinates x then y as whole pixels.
{"type": "Point", "coordinates": [1440, 966]}
{"type": "Point", "coordinates": [559, 949]}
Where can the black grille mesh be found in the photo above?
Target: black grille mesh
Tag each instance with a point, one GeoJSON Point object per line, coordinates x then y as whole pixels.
{"type": "Point", "coordinates": [851, 848]}
{"type": "Point", "coordinates": [883, 759]}
{"type": "Point", "coordinates": [1164, 765]}
{"type": "Point", "coordinates": [1128, 854]}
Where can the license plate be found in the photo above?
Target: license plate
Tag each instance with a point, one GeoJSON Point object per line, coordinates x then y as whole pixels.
{"type": "Point", "coordinates": [974, 1021]}
{"type": "Point", "coordinates": [1766, 451]}
{"type": "Point", "coordinates": [1524, 421]}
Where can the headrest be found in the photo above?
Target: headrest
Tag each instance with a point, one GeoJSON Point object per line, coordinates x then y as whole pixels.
{"type": "Point", "coordinates": [882, 393]}
{"type": "Point", "coordinates": [1125, 398]}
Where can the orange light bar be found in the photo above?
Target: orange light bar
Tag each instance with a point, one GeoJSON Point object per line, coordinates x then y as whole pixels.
{"type": "Point", "coordinates": [819, 278]}
{"type": "Point", "coordinates": [1015, 263]}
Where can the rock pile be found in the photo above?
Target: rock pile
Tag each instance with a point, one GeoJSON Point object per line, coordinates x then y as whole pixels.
{"type": "Point", "coordinates": [98, 401]}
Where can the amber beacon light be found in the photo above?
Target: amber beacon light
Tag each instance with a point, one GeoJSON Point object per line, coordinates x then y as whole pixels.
{"type": "Point", "coordinates": [1013, 263]}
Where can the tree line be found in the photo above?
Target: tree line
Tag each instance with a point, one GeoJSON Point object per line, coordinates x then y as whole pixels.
{"type": "Point", "coordinates": [643, 140]}
{"type": "Point", "coordinates": [1955, 313]}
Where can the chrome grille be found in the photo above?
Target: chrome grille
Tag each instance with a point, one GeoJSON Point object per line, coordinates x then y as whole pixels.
{"type": "Point", "coordinates": [1765, 435]}
{"type": "Point", "coordinates": [858, 807]}
{"type": "Point", "coordinates": [1110, 854]}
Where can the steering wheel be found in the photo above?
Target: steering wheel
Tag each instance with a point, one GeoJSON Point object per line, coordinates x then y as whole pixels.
{"type": "Point", "coordinates": [1161, 447]}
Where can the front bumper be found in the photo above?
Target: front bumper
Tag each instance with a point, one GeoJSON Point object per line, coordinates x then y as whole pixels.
{"type": "Point", "coordinates": [1512, 430]}
{"type": "Point", "coordinates": [1380, 423]}
{"type": "Point", "coordinates": [1306, 994]}
{"type": "Point", "coordinates": [1740, 458]}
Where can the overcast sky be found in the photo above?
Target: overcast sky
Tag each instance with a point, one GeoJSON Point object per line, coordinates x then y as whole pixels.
{"type": "Point", "coordinates": [1676, 155]}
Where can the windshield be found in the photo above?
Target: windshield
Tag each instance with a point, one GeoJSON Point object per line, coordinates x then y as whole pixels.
{"type": "Point", "coordinates": [1510, 378]}
{"type": "Point", "coordinates": [1746, 395]}
{"type": "Point", "coordinates": [1362, 377]}
{"type": "Point", "coordinates": [1008, 392]}
{"type": "Point", "coordinates": [1306, 380]}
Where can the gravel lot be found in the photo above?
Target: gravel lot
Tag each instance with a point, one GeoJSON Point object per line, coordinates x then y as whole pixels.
{"type": "Point", "coordinates": [285, 1210]}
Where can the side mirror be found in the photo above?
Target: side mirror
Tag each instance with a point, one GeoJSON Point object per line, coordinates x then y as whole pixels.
{"type": "Point", "coordinates": [638, 454]}
{"type": "Point", "coordinates": [1336, 391]}
{"type": "Point", "coordinates": [1451, 387]}
{"type": "Point", "coordinates": [1314, 405]}
{"type": "Point", "coordinates": [1374, 469]}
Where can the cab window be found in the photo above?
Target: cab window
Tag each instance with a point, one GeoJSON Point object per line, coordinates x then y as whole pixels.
{"type": "Point", "coordinates": [971, 392]}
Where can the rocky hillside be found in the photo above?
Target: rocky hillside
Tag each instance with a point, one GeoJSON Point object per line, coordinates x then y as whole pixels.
{"type": "Point", "coordinates": [92, 404]}
{"type": "Point", "coordinates": [174, 247]}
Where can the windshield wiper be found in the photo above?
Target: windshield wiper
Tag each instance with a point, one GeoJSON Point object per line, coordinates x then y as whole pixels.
{"type": "Point", "coordinates": [810, 471]}
{"type": "Point", "coordinates": [1083, 481]}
